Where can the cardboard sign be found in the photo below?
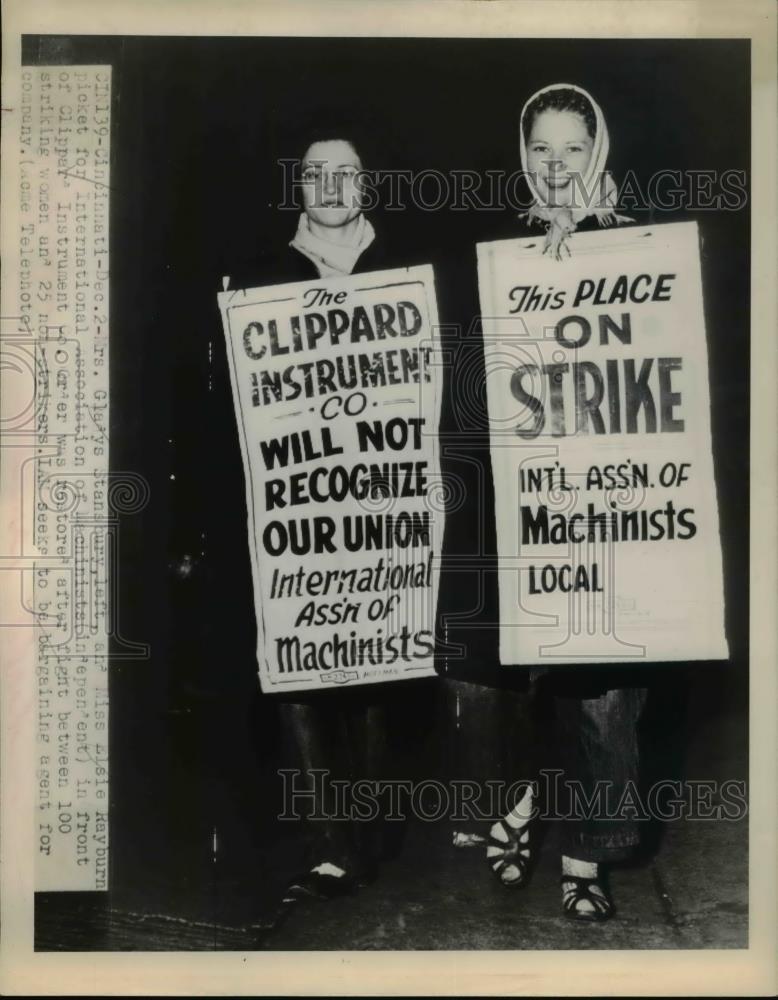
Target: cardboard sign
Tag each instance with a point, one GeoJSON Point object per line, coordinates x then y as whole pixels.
{"type": "Point", "coordinates": [338, 408]}
{"type": "Point", "coordinates": [597, 384]}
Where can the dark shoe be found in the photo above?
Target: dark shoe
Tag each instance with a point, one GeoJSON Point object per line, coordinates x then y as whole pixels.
{"type": "Point", "coordinates": [579, 889]}
{"type": "Point", "coordinates": [366, 875]}
{"type": "Point", "coordinates": [318, 883]}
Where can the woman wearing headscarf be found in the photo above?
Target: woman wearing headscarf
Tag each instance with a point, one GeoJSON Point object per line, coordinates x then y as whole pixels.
{"type": "Point", "coordinates": [587, 717]}
{"type": "Point", "coordinates": [564, 145]}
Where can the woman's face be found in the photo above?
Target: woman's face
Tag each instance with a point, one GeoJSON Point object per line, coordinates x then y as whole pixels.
{"type": "Point", "coordinates": [559, 147]}
{"type": "Point", "coordinates": [331, 195]}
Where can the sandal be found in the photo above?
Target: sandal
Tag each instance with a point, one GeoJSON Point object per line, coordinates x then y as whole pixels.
{"type": "Point", "coordinates": [508, 853]}
{"type": "Point", "coordinates": [581, 889]}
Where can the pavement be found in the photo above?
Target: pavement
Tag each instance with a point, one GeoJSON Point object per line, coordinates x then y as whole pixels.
{"type": "Point", "coordinates": [690, 892]}
{"type": "Point", "coordinates": [442, 898]}
{"type": "Point", "coordinates": [689, 889]}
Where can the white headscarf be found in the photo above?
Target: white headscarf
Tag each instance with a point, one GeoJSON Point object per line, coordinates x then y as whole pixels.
{"type": "Point", "coordinates": [332, 258]}
{"type": "Point", "coordinates": [597, 192]}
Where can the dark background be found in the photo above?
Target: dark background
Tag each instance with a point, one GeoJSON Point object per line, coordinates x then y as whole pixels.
{"type": "Point", "coordinates": [197, 127]}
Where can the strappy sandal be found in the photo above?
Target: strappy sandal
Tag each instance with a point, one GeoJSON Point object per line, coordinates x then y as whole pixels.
{"type": "Point", "coordinates": [509, 853]}
{"type": "Point", "coordinates": [580, 890]}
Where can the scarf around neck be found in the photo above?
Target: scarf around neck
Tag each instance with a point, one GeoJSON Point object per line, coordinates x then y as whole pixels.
{"type": "Point", "coordinates": [332, 259]}
{"type": "Point", "coordinates": [596, 191]}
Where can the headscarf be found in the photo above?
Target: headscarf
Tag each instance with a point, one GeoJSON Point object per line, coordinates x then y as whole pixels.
{"type": "Point", "coordinates": [332, 258]}
{"type": "Point", "coordinates": [597, 190]}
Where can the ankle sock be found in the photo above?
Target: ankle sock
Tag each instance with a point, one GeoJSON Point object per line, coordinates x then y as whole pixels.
{"type": "Point", "coordinates": [583, 869]}
{"type": "Point", "coordinates": [521, 812]}
{"type": "Point", "coordinates": [327, 868]}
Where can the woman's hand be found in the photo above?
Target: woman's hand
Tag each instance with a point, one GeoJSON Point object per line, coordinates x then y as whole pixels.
{"type": "Point", "coordinates": [560, 228]}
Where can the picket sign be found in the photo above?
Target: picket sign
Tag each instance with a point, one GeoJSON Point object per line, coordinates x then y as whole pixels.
{"type": "Point", "coordinates": [335, 385]}
{"type": "Point", "coordinates": [599, 408]}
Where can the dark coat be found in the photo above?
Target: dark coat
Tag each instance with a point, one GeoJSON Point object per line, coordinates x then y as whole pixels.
{"type": "Point", "coordinates": [287, 264]}
{"type": "Point", "coordinates": [468, 584]}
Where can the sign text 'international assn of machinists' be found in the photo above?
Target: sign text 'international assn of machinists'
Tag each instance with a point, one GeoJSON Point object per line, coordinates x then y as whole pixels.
{"type": "Point", "coordinates": [337, 403]}
{"type": "Point", "coordinates": [599, 409]}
